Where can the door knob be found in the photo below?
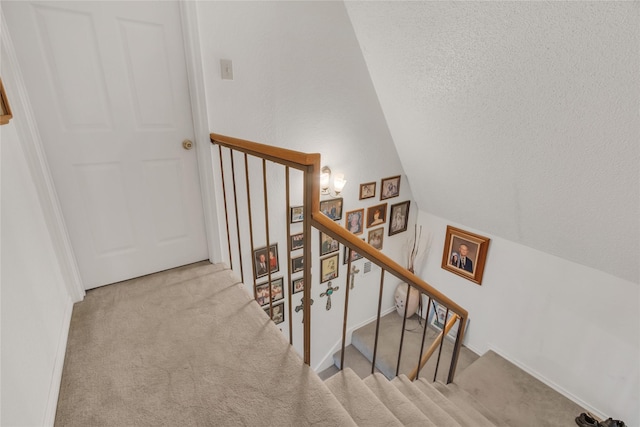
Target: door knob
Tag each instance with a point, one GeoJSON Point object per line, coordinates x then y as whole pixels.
{"type": "Point", "coordinates": [187, 145]}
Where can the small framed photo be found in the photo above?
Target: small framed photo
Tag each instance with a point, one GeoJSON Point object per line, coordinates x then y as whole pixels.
{"type": "Point", "coordinates": [328, 268]}
{"type": "Point", "coordinates": [437, 315]}
{"type": "Point", "coordinates": [465, 254]}
{"type": "Point", "coordinates": [264, 259]}
{"type": "Point", "coordinates": [399, 214]}
{"type": "Point", "coordinates": [390, 187]}
{"type": "Point", "coordinates": [375, 238]}
{"type": "Point", "coordinates": [376, 215]}
{"type": "Point", "coordinates": [328, 244]}
{"type": "Point", "coordinates": [297, 285]}
{"type": "Point", "coordinates": [262, 291]}
{"type": "Point", "coordinates": [332, 208]}
{"type": "Point", "coordinates": [297, 264]}
{"type": "Point", "coordinates": [354, 256]}
{"type": "Point", "coordinates": [367, 190]}
{"type": "Point", "coordinates": [297, 241]}
{"type": "Point", "coordinates": [278, 313]}
{"type": "Point", "coordinates": [355, 221]}
{"type": "Point", "coordinates": [297, 214]}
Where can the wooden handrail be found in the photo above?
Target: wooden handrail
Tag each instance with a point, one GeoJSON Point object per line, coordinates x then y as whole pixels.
{"type": "Point", "coordinates": [425, 358]}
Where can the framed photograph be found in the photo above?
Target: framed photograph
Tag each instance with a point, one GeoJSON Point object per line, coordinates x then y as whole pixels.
{"type": "Point", "coordinates": [297, 241]}
{"type": "Point", "coordinates": [332, 208]}
{"type": "Point", "coordinates": [390, 187]}
{"type": "Point", "coordinates": [375, 238]}
{"type": "Point", "coordinates": [297, 285]}
{"type": "Point", "coordinates": [264, 259]}
{"type": "Point", "coordinates": [437, 315]}
{"type": "Point", "coordinates": [355, 221]}
{"type": "Point", "coordinates": [262, 291]}
{"type": "Point", "coordinates": [376, 215]}
{"type": "Point", "coordinates": [354, 256]}
{"type": "Point", "coordinates": [297, 214]}
{"type": "Point", "coordinates": [278, 313]}
{"type": "Point", "coordinates": [328, 244]}
{"type": "Point", "coordinates": [328, 268]}
{"type": "Point", "coordinates": [465, 254]}
{"type": "Point", "coordinates": [297, 264]}
{"type": "Point", "coordinates": [367, 190]}
{"type": "Point", "coordinates": [399, 214]}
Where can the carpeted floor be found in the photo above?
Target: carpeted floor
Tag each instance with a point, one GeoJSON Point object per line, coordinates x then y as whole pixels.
{"type": "Point", "coordinates": [155, 351]}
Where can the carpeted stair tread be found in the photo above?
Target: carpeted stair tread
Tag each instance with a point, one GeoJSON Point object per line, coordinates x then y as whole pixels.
{"type": "Point", "coordinates": [398, 404]}
{"type": "Point", "coordinates": [468, 403]}
{"type": "Point", "coordinates": [462, 412]}
{"type": "Point", "coordinates": [154, 351]}
{"type": "Point", "coordinates": [518, 397]}
{"type": "Point", "coordinates": [428, 407]}
{"type": "Point", "coordinates": [359, 401]}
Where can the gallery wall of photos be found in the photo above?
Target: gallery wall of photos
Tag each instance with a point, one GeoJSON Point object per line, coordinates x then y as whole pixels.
{"type": "Point", "coordinates": [376, 217]}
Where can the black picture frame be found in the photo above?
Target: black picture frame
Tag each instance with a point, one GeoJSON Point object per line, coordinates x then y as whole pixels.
{"type": "Point", "coordinates": [260, 270]}
{"type": "Point", "coordinates": [328, 244]}
{"type": "Point", "coordinates": [332, 208]}
{"type": "Point", "coordinates": [297, 241]}
{"type": "Point", "coordinates": [399, 217]}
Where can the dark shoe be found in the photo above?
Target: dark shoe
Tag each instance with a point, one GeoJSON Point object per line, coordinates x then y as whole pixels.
{"type": "Point", "coordinates": [609, 422]}
{"type": "Point", "coordinates": [584, 420]}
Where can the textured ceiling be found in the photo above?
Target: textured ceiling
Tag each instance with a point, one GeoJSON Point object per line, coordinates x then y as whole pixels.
{"type": "Point", "coordinates": [515, 118]}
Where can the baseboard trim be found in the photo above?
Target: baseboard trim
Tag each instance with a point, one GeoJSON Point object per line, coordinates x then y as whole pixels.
{"type": "Point", "coordinates": [56, 375]}
{"type": "Point", "coordinates": [327, 360]}
{"type": "Point", "coordinates": [549, 383]}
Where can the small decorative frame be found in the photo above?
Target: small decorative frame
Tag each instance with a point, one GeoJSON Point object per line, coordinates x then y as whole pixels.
{"type": "Point", "coordinates": [5, 108]}
{"type": "Point", "coordinates": [376, 215]}
{"type": "Point", "coordinates": [375, 238]}
{"type": "Point", "coordinates": [262, 291]}
{"type": "Point", "coordinates": [328, 268]}
{"type": "Point", "coordinates": [332, 208]}
{"type": "Point", "coordinates": [367, 190]}
{"type": "Point", "coordinates": [354, 255]}
{"type": "Point", "coordinates": [297, 214]}
{"type": "Point", "coordinates": [297, 285]}
{"type": "Point", "coordinates": [436, 319]}
{"type": "Point", "coordinates": [399, 214]}
{"type": "Point", "coordinates": [390, 187]}
{"type": "Point", "coordinates": [297, 264]}
{"type": "Point", "coordinates": [278, 313]}
{"type": "Point", "coordinates": [355, 221]}
{"type": "Point", "coordinates": [465, 254]}
{"type": "Point", "coordinates": [328, 244]}
{"type": "Point", "coordinates": [297, 241]}
{"type": "Point", "coordinates": [263, 258]}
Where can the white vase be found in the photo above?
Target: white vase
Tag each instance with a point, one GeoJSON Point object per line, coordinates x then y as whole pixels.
{"type": "Point", "coordinates": [401, 300]}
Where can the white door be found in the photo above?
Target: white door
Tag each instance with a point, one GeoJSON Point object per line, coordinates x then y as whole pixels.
{"type": "Point", "coordinates": [108, 86]}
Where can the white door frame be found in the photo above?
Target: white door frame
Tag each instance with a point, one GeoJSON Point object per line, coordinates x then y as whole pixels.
{"type": "Point", "coordinates": [33, 149]}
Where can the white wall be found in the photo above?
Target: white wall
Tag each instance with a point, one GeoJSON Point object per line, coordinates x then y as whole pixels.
{"type": "Point", "coordinates": [300, 82]}
{"type": "Point", "coordinates": [36, 308]}
{"type": "Point", "coordinates": [576, 328]}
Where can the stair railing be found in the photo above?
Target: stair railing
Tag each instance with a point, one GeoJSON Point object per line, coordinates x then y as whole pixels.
{"type": "Point", "coordinates": [309, 164]}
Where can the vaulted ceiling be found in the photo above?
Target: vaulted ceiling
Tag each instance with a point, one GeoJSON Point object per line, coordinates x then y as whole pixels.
{"type": "Point", "coordinates": [518, 119]}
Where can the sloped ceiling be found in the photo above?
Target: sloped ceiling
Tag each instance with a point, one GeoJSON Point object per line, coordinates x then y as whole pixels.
{"type": "Point", "coordinates": [517, 119]}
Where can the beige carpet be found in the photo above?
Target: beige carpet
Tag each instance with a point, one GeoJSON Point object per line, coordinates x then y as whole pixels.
{"type": "Point", "coordinates": [186, 347]}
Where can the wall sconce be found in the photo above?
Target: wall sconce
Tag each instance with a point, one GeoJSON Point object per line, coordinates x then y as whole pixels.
{"type": "Point", "coordinates": [338, 182]}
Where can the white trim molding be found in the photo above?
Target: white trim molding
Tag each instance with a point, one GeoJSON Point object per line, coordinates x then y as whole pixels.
{"type": "Point", "coordinates": [195, 75]}
{"type": "Point", "coordinates": [31, 145]}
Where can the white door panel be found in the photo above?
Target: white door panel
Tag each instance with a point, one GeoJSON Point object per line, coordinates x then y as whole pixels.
{"type": "Point", "coordinates": [108, 85]}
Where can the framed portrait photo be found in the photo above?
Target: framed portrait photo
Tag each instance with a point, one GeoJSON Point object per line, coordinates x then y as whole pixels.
{"type": "Point", "coordinates": [375, 238]}
{"type": "Point", "coordinates": [390, 187]}
{"type": "Point", "coordinates": [399, 214]}
{"type": "Point", "coordinates": [354, 256]}
{"type": "Point", "coordinates": [328, 244]}
{"type": "Point", "coordinates": [278, 313]}
{"type": "Point", "coordinates": [332, 208]}
{"type": "Point", "coordinates": [297, 264]}
{"type": "Point", "coordinates": [328, 268]}
{"type": "Point", "coordinates": [297, 214]}
{"type": "Point", "coordinates": [465, 254]}
{"type": "Point", "coordinates": [297, 285]}
{"type": "Point", "coordinates": [355, 221]}
{"type": "Point", "coordinates": [367, 190]}
{"type": "Point", "coordinates": [262, 291]}
{"type": "Point", "coordinates": [377, 215]}
{"type": "Point", "coordinates": [265, 260]}
{"type": "Point", "coordinates": [297, 241]}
